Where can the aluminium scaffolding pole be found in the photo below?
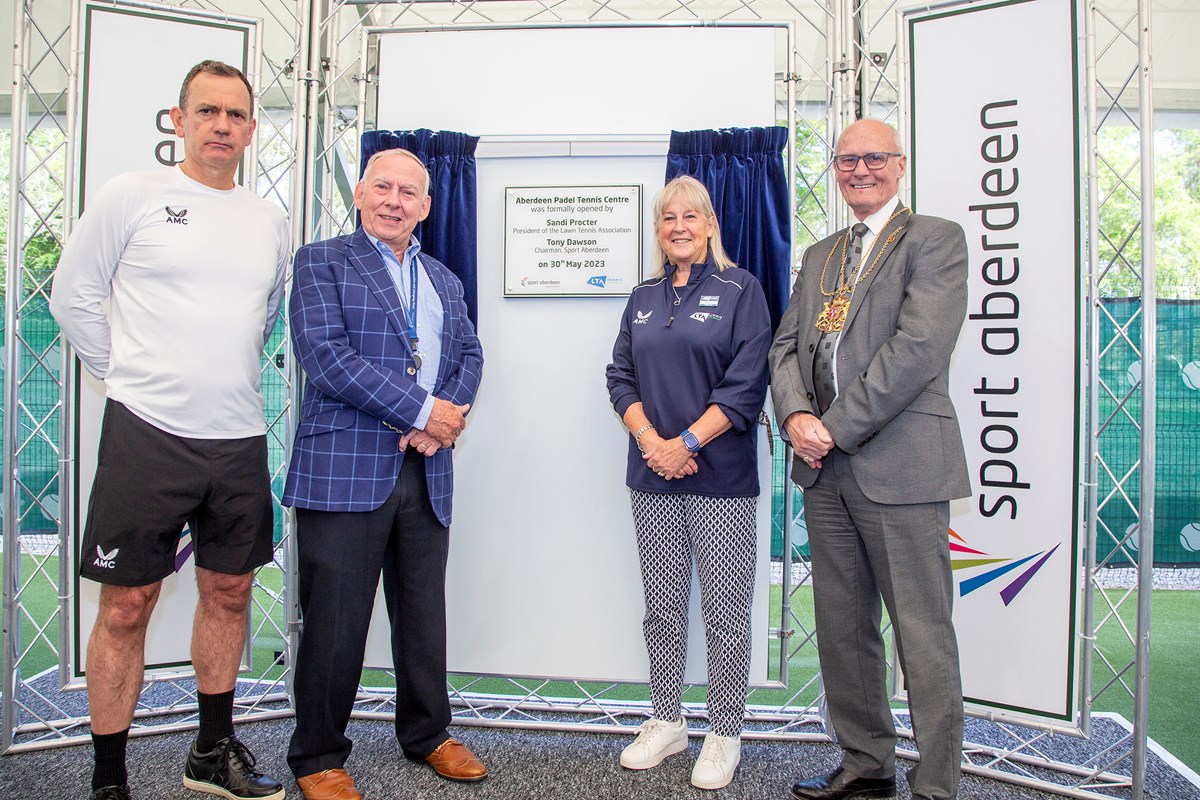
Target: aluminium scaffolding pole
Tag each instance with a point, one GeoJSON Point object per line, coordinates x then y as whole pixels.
{"type": "Point", "coordinates": [9, 504]}
{"type": "Point", "coordinates": [1145, 570]}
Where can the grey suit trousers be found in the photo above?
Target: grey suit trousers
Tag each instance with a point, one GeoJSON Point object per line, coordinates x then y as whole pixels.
{"type": "Point", "coordinates": [862, 551]}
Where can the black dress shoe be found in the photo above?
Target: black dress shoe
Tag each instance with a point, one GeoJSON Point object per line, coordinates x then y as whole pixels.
{"type": "Point", "coordinates": [841, 785]}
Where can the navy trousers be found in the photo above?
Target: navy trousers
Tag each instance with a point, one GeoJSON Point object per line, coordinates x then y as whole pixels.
{"type": "Point", "coordinates": [341, 555]}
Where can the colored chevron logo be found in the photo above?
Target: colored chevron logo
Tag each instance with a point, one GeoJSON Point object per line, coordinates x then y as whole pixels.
{"type": "Point", "coordinates": [183, 553]}
{"type": "Point", "coordinates": [964, 557]}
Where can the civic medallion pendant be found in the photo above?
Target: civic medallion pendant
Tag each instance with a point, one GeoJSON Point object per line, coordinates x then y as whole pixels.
{"type": "Point", "coordinates": [833, 316]}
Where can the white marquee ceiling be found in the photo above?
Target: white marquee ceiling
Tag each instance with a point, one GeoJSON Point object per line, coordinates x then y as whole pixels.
{"type": "Point", "coordinates": [1176, 29]}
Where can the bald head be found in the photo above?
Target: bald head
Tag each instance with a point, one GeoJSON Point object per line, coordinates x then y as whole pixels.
{"type": "Point", "coordinates": [876, 128]}
{"type": "Point", "coordinates": [870, 183]}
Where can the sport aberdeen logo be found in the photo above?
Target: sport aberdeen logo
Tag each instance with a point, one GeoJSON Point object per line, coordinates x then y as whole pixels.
{"type": "Point", "coordinates": [964, 557]}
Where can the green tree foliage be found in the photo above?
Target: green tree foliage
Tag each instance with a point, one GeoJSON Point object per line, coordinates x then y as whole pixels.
{"type": "Point", "coordinates": [1176, 213]}
{"type": "Point", "coordinates": [41, 258]}
{"type": "Point", "coordinates": [43, 195]}
{"type": "Point", "coordinates": [812, 167]}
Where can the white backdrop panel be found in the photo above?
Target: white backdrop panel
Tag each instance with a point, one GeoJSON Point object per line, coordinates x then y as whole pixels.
{"type": "Point", "coordinates": [126, 91]}
{"type": "Point", "coordinates": [578, 81]}
{"type": "Point", "coordinates": [1001, 160]}
{"type": "Point", "coordinates": [544, 578]}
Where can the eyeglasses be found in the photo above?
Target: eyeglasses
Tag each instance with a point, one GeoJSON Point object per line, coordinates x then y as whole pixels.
{"type": "Point", "coordinates": [847, 163]}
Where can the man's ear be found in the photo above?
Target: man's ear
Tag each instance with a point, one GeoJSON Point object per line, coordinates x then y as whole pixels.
{"type": "Point", "coordinates": [177, 120]}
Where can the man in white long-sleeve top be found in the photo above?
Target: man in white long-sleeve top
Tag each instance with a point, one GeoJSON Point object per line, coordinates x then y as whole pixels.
{"type": "Point", "coordinates": [192, 269]}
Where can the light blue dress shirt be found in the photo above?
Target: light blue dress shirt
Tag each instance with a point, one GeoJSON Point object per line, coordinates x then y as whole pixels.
{"type": "Point", "coordinates": [429, 315]}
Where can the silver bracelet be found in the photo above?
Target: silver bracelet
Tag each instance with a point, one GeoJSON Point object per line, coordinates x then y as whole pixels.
{"type": "Point", "coordinates": [637, 437]}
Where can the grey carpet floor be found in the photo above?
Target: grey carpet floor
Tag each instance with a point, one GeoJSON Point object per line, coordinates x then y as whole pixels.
{"type": "Point", "coordinates": [533, 765]}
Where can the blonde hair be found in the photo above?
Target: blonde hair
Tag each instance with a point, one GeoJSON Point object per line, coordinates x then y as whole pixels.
{"type": "Point", "coordinates": [695, 196]}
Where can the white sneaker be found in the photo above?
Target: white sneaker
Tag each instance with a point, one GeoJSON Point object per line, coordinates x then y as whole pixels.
{"type": "Point", "coordinates": [655, 741]}
{"type": "Point", "coordinates": [718, 759]}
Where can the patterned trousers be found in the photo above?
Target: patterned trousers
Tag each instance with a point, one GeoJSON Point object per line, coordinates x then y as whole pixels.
{"type": "Point", "coordinates": [720, 533]}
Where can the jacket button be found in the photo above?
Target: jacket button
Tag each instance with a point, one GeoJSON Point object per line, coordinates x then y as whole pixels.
{"type": "Point", "coordinates": [809, 395]}
{"type": "Point", "coordinates": [812, 347]}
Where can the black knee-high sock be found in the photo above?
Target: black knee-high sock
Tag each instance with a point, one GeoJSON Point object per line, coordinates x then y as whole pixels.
{"type": "Point", "coordinates": [109, 766]}
{"type": "Point", "coordinates": [216, 720]}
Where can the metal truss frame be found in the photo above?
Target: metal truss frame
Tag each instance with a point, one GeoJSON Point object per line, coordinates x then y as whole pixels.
{"type": "Point", "coordinates": [314, 88]}
{"type": "Point", "coordinates": [1118, 44]}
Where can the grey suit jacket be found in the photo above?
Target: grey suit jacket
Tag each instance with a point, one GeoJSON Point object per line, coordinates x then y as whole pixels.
{"type": "Point", "coordinates": [893, 412]}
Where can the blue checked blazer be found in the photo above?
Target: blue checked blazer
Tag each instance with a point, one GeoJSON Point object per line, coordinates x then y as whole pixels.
{"type": "Point", "coordinates": [349, 335]}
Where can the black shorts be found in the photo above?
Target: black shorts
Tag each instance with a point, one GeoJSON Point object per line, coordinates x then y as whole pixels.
{"type": "Point", "coordinates": [150, 484]}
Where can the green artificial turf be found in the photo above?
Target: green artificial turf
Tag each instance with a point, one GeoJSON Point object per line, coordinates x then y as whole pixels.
{"type": "Point", "coordinates": [1174, 670]}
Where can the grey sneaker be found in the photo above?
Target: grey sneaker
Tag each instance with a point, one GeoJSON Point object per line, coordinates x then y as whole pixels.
{"type": "Point", "coordinates": [228, 771]}
{"type": "Point", "coordinates": [110, 793]}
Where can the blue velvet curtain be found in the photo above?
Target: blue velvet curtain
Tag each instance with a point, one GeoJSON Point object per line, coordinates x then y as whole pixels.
{"type": "Point", "coordinates": [743, 170]}
{"type": "Point", "coordinates": [449, 232]}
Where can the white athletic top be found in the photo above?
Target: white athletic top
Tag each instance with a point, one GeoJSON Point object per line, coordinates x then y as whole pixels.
{"type": "Point", "coordinates": [193, 277]}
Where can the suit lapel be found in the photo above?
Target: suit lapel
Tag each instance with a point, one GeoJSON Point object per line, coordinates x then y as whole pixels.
{"type": "Point", "coordinates": [370, 265]}
{"type": "Point", "coordinates": [890, 238]}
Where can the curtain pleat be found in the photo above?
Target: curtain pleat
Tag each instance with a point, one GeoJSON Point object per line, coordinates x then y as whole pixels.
{"type": "Point", "coordinates": [743, 169]}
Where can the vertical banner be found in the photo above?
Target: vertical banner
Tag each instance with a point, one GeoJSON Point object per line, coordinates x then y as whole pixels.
{"type": "Point", "coordinates": [125, 127]}
{"type": "Point", "coordinates": [994, 132]}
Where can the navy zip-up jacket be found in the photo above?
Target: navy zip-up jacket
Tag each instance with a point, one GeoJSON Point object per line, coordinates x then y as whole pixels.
{"type": "Point", "coordinates": [679, 360]}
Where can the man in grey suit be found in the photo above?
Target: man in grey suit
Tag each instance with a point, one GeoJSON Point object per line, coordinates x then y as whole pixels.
{"type": "Point", "coordinates": [859, 376]}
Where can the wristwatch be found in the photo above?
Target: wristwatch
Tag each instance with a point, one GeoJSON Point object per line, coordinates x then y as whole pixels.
{"type": "Point", "coordinates": [690, 441]}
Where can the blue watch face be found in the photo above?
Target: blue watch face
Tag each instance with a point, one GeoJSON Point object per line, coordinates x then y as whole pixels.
{"type": "Point", "coordinates": [690, 441]}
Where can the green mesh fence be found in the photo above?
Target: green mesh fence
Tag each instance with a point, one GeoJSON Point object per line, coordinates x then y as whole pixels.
{"type": "Point", "coordinates": [1177, 473]}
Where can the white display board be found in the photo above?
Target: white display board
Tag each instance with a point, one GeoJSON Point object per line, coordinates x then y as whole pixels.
{"type": "Point", "coordinates": [127, 92]}
{"type": "Point", "coordinates": [543, 572]}
{"type": "Point", "coordinates": [593, 81]}
{"type": "Point", "coordinates": [993, 147]}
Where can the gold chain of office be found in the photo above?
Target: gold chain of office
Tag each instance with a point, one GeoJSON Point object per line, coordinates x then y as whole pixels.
{"type": "Point", "coordinates": [837, 308]}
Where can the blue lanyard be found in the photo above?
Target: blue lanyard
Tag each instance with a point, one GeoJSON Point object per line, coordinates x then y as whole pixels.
{"type": "Point", "coordinates": [410, 313]}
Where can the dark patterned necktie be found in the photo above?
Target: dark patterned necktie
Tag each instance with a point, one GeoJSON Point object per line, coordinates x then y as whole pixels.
{"type": "Point", "coordinates": [823, 358]}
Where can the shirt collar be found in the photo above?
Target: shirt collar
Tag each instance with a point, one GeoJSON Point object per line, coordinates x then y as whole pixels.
{"type": "Point", "coordinates": [410, 252]}
{"type": "Point", "coordinates": [877, 220]}
{"type": "Point", "coordinates": [701, 269]}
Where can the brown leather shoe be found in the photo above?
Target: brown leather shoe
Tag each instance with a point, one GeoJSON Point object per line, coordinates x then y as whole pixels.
{"type": "Point", "coordinates": [454, 761]}
{"type": "Point", "coordinates": [332, 784]}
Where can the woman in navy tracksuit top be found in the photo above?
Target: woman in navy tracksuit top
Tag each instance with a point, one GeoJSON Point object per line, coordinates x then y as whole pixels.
{"type": "Point", "coordinates": [689, 379]}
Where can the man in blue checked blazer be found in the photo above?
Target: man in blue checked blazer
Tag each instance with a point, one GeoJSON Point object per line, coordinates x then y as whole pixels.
{"type": "Point", "coordinates": [392, 365]}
